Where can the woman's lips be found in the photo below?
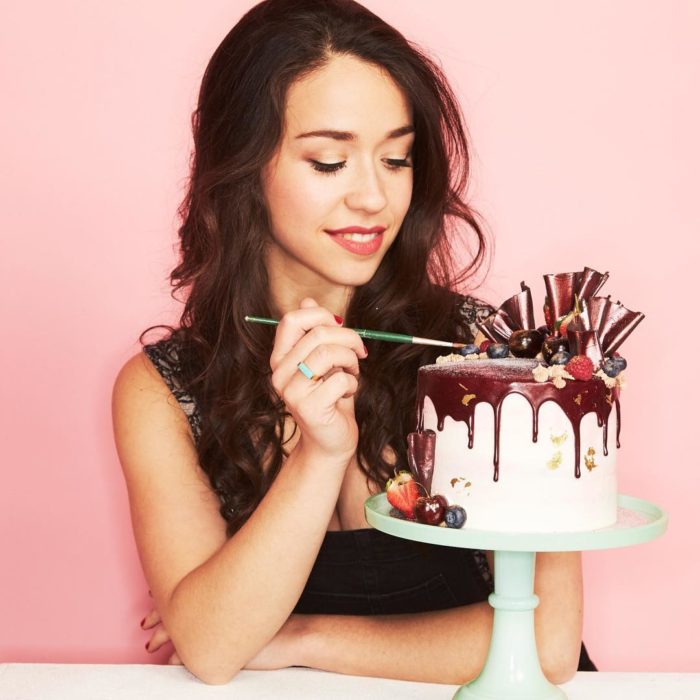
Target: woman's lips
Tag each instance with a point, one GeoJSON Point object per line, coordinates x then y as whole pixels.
{"type": "Point", "coordinates": [359, 243]}
{"type": "Point", "coordinates": [358, 239]}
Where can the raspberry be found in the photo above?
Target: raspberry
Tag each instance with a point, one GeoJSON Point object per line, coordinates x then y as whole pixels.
{"type": "Point", "coordinates": [580, 367]}
{"type": "Point", "coordinates": [484, 345]}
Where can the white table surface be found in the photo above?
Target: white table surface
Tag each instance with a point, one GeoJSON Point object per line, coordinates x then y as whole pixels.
{"type": "Point", "coordinates": [153, 682]}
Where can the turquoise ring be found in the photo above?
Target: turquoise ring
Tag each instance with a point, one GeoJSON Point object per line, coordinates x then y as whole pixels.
{"type": "Point", "coordinates": [307, 372]}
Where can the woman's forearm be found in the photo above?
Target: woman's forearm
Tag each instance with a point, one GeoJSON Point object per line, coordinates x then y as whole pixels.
{"type": "Point", "coordinates": [443, 646]}
{"type": "Point", "coordinates": [450, 646]}
{"type": "Point", "coordinates": [225, 610]}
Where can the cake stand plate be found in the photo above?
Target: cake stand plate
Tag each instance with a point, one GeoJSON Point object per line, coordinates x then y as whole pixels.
{"type": "Point", "coordinates": [512, 670]}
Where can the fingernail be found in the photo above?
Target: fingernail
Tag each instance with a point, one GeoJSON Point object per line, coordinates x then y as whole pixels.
{"type": "Point", "coordinates": [142, 621]}
{"type": "Point", "coordinates": [366, 350]}
{"type": "Point", "coordinates": [338, 320]}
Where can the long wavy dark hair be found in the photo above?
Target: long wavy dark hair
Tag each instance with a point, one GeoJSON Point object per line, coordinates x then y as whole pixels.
{"type": "Point", "coordinates": [238, 122]}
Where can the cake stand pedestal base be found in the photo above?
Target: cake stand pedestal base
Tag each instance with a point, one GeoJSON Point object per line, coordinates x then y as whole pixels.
{"type": "Point", "coordinates": [512, 658]}
{"type": "Point", "coordinates": [512, 670]}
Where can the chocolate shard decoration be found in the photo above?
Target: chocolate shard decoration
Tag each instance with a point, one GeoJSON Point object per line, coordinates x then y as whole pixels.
{"type": "Point", "coordinates": [582, 320]}
{"type": "Point", "coordinates": [560, 292]}
{"type": "Point", "coordinates": [519, 309]}
{"type": "Point", "coordinates": [590, 282]}
{"type": "Point", "coordinates": [562, 288]}
{"type": "Point", "coordinates": [613, 322]}
{"type": "Point", "coordinates": [487, 328]}
{"type": "Point", "coordinates": [421, 456]}
{"type": "Point", "coordinates": [583, 342]}
{"type": "Point", "coordinates": [516, 313]}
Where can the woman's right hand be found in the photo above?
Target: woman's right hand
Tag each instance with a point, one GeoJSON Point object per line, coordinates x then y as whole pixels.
{"type": "Point", "coordinates": [324, 410]}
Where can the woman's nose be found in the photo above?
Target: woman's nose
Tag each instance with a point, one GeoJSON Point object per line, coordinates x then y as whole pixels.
{"type": "Point", "coordinates": [367, 191]}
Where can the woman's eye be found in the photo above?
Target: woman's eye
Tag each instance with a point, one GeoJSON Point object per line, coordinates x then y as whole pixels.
{"type": "Point", "coordinates": [329, 168]}
{"type": "Point", "coordinates": [332, 168]}
{"type": "Point", "coordinates": [396, 163]}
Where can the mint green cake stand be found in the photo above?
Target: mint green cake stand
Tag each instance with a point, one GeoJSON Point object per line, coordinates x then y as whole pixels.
{"type": "Point", "coordinates": [512, 670]}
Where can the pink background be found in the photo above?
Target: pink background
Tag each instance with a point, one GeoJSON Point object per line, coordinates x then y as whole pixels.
{"type": "Point", "coordinates": [584, 128]}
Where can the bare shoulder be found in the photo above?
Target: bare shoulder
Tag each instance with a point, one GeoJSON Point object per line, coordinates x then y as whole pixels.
{"type": "Point", "coordinates": [139, 386]}
{"type": "Point", "coordinates": [174, 512]}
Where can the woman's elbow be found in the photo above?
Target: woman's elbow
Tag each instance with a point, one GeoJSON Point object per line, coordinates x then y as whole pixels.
{"type": "Point", "coordinates": [209, 673]}
{"type": "Point", "coordinates": [559, 670]}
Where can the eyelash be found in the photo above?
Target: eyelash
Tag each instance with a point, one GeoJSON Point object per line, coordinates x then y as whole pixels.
{"type": "Point", "coordinates": [334, 168]}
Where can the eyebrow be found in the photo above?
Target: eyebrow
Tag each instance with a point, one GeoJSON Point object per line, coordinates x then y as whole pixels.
{"type": "Point", "coordinates": [349, 136]}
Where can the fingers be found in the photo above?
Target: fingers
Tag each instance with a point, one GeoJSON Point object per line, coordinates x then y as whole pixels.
{"type": "Point", "coordinates": [294, 325]}
{"type": "Point", "coordinates": [293, 386]}
{"type": "Point", "coordinates": [321, 349]}
{"type": "Point", "coordinates": [174, 660]}
{"type": "Point", "coordinates": [338, 386]}
{"type": "Point", "coordinates": [152, 619]}
{"type": "Point", "coordinates": [308, 303]}
{"type": "Point", "coordinates": [158, 638]}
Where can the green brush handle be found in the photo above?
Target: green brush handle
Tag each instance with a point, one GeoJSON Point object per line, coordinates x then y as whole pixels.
{"type": "Point", "coordinates": [383, 335]}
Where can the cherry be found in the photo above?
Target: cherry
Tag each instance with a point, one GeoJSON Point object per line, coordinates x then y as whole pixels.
{"type": "Point", "coordinates": [525, 343]}
{"type": "Point", "coordinates": [430, 510]}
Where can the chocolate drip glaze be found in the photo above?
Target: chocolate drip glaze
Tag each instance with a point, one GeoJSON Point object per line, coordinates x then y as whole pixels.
{"type": "Point", "coordinates": [449, 387]}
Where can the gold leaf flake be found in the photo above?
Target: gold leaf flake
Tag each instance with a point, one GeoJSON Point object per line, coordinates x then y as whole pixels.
{"type": "Point", "coordinates": [467, 397]}
{"type": "Point", "coordinates": [456, 480]}
{"type": "Point", "coordinates": [578, 399]}
{"type": "Point", "coordinates": [589, 458]}
{"type": "Point", "coordinates": [559, 439]}
{"type": "Point", "coordinates": [609, 398]}
{"type": "Point", "coordinates": [555, 462]}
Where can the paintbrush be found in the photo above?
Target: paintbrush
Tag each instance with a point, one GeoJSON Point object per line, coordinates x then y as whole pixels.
{"type": "Point", "coordinates": [376, 335]}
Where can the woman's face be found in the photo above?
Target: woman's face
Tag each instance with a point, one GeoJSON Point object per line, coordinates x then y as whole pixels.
{"type": "Point", "coordinates": [344, 161]}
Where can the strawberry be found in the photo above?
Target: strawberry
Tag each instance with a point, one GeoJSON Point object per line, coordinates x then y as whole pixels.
{"type": "Point", "coordinates": [402, 492]}
{"type": "Point", "coordinates": [580, 367]}
{"type": "Point", "coordinates": [484, 345]}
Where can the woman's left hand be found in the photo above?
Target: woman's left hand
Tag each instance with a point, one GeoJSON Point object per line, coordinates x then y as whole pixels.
{"type": "Point", "coordinates": [283, 650]}
{"type": "Point", "coordinates": [159, 637]}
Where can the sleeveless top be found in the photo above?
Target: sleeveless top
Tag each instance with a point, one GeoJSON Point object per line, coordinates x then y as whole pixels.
{"type": "Point", "coordinates": [367, 572]}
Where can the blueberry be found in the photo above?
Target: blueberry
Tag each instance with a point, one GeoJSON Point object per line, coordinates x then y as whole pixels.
{"type": "Point", "coordinates": [610, 368]}
{"type": "Point", "coordinates": [470, 349]}
{"type": "Point", "coordinates": [619, 362]}
{"type": "Point", "coordinates": [552, 345]}
{"type": "Point", "coordinates": [544, 331]}
{"type": "Point", "coordinates": [497, 350]}
{"type": "Point", "coordinates": [455, 516]}
{"type": "Point", "coordinates": [560, 358]}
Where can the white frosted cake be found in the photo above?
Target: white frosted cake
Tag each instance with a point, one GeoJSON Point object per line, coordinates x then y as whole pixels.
{"type": "Point", "coordinates": [520, 454]}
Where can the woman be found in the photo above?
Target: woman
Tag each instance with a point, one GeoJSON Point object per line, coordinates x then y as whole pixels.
{"type": "Point", "coordinates": [328, 175]}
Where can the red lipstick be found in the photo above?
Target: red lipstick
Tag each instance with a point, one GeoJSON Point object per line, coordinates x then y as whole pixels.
{"type": "Point", "coordinates": [357, 229]}
{"type": "Point", "coordinates": [367, 247]}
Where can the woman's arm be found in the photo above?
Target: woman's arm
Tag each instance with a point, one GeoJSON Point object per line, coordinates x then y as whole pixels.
{"type": "Point", "coordinates": [449, 646]}
{"type": "Point", "coordinates": [221, 600]}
